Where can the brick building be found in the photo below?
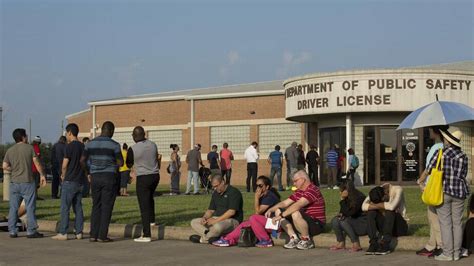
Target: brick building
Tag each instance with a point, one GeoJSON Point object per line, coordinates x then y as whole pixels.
{"type": "Point", "coordinates": [359, 109]}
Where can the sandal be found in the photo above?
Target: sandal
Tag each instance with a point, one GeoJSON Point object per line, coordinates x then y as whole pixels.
{"type": "Point", "coordinates": [336, 248]}
{"type": "Point", "coordinates": [355, 249]}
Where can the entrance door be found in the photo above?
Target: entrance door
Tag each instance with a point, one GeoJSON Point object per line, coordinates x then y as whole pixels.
{"type": "Point", "coordinates": [328, 137]}
{"type": "Point", "coordinates": [388, 154]}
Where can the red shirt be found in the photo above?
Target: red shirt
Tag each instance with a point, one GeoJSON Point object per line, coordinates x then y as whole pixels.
{"type": "Point", "coordinates": [226, 157]}
{"type": "Point", "coordinates": [316, 207]}
{"type": "Point", "coordinates": [38, 153]}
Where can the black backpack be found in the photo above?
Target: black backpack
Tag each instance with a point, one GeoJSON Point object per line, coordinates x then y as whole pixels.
{"type": "Point", "coordinates": [247, 238]}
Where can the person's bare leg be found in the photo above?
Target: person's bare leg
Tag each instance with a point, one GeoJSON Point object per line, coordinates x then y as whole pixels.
{"type": "Point", "coordinates": [288, 228]}
{"type": "Point", "coordinates": [300, 224]}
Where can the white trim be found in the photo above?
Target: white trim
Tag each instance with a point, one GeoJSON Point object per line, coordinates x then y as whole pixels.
{"type": "Point", "coordinates": [153, 128]}
{"type": "Point", "coordinates": [245, 122]}
{"type": "Point", "coordinates": [236, 95]}
{"type": "Point", "coordinates": [77, 113]}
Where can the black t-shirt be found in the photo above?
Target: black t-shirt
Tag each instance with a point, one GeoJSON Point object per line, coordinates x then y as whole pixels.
{"type": "Point", "coordinates": [270, 199]}
{"type": "Point", "coordinates": [230, 199]}
{"type": "Point", "coordinates": [311, 158]}
{"type": "Point", "coordinates": [213, 157]}
{"type": "Point", "coordinates": [74, 171]}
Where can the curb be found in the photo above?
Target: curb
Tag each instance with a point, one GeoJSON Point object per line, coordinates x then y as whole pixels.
{"type": "Point", "coordinates": [161, 232]}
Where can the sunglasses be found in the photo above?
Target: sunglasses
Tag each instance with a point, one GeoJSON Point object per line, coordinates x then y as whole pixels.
{"type": "Point", "coordinates": [260, 185]}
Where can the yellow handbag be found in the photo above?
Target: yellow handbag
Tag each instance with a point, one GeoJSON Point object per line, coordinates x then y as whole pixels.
{"type": "Point", "coordinates": [433, 193]}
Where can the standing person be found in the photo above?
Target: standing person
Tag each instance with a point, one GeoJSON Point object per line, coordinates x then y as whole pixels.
{"type": "Point", "coordinates": [143, 156]}
{"type": "Point", "coordinates": [386, 217]}
{"type": "Point", "coordinates": [340, 165]}
{"type": "Point", "coordinates": [291, 155]}
{"type": "Point", "coordinates": [105, 158]}
{"type": "Point", "coordinates": [57, 155]}
{"type": "Point", "coordinates": [350, 220]}
{"type": "Point", "coordinates": [18, 161]}
{"type": "Point", "coordinates": [455, 191]}
{"type": "Point", "coordinates": [468, 235]}
{"type": "Point", "coordinates": [86, 187]}
{"type": "Point", "coordinates": [223, 214]}
{"type": "Point", "coordinates": [312, 159]}
{"type": "Point", "coordinates": [124, 173]}
{"type": "Point", "coordinates": [433, 247]}
{"type": "Point", "coordinates": [72, 177]}
{"type": "Point", "coordinates": [36, 175]}
{"type": "Point", "coordinates": [175, 165]}
{"type": "Point", "coordinates": [301, 165]}
{"type": "Point", "coordinates": [226, 162]}
{"type": "Point", "coordinates": [303, 212]}
{"type": "Point", "coordinates": [213, 159]}
{"type": "Point", "coordinates": [251, 156]}
{"type": "Point", "coordinates": [275, 159]}
{"type": "Point", "coordinates": [353, 164]}
{"type": "Point", "coordinates": [332, 161]}
{"type": "Point", "coordinates": [193, 159]}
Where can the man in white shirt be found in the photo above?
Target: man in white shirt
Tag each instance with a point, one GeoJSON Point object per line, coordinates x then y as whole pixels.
{"type": "Point", "coordinates": [251, 156]}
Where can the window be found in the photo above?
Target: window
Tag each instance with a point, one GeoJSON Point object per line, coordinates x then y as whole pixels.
{"type": "Point", "coordinates": [124, 137]}
{"type": "Point", "coordinates": [163, 139]}
{"type": "Point", "coordinates": [278, 134]}
{"type": "Point", "coordinates": [238, 137]}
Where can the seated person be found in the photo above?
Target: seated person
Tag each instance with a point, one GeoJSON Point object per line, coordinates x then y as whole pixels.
{"type": "Point", "coordinates": [468, 236]}
{"type": "Point", "coordinates": [223, 215]}
{"type": "Point", "coordinates": [304, 211]}
{"type": "Point", "coordinates": [386, 217]}
{"type": "Point", "coordinates": [350, 220]}
{"type": "Point", "coordinates": [265, 197]}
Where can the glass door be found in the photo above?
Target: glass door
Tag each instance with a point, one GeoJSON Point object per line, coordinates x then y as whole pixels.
{"type": "Point", "coordinates": [388, 154]}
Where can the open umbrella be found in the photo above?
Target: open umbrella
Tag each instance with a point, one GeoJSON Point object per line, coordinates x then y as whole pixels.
{"type": "Point", "coordinates": [438, 113]}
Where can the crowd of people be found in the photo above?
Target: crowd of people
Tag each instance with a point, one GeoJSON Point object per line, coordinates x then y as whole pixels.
{"type": "Point", "coordinates": [104, 168]}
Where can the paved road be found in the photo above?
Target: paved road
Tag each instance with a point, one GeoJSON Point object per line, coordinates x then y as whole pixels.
{"type": "Point", "coordinates": [23, 251]}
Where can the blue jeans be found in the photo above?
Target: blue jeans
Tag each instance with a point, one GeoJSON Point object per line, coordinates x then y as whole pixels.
{"type": "Point", "coordinates": [19, 192]}
{"type": "Point", "coordinates": [194, 176]}
{"type": "Point", "coordinates": [276, 170]}
{"type": "Point", "coordinates": [71, 194]}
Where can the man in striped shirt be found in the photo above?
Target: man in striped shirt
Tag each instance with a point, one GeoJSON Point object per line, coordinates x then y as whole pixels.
{"type": "Point", "coordinates": [303, 212]}
{"type": "Point", "coordinates": [331, 160]}
{"type": "Point", "coordinates": [105, 158]}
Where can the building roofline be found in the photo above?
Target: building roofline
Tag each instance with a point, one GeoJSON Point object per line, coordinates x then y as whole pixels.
{"type": "Point", "coordinates": [77, 113]}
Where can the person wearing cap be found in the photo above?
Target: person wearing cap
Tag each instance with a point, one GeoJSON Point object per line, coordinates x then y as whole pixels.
{"type": "Point", "coordinates": [193, 159]}
{"type": "Point", "coordinates": [36, 175]}
{"type": "Point", "coordinates": [312, 159]}
{"type": "Point", "coordinates": [455, 191]}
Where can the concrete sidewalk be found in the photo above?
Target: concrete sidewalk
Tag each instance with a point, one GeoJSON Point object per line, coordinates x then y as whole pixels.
{"type": "Point", "coordinates": [409, 243]}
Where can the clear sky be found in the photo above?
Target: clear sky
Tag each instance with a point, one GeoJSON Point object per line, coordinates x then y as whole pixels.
{"type": "Point", "coordinates": [58, 55]}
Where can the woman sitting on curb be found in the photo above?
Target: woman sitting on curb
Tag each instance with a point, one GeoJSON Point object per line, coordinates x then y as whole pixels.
{"type": "Point", "coordinates": [351, 220]}
{"type": "Point", "coordinates": [265, 197]}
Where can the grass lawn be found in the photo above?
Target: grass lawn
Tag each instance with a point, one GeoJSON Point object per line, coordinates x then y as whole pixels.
{"type": "Point", "coordinates": [179, 210]}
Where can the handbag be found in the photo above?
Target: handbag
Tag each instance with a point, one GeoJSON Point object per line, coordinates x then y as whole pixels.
{"type": "Point", "coordinates": [433, 193]}
{"type": "Point", "coordinates": [246, 238]}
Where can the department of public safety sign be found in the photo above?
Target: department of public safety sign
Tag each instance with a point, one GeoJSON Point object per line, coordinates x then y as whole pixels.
{"type": "Point", "coordinates": [378, 92]}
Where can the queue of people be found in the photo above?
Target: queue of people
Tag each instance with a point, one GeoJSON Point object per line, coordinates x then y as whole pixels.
{"type": "Point", "coordinates": [106, 166]}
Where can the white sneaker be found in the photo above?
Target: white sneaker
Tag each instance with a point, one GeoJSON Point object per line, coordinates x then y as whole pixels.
{"type": "Point", "coordinates": [464, 252]}
{"type": "Point", "coordinates": [152, 224]}
{"type": "Point", "coordinates": [443, 257]}
{"type": "Point", "coordinates": [79, 236]}
{"type": "Point", "coordinates": [59, 237]}
{"type": "Point", "coordinates": [305, 244]}
{"type": "Point", "coordinates": [292, 243]}
{"type": "Point", "coordinates": [335, 187]}
{"type": "Point", "coordinates": [143, 239]}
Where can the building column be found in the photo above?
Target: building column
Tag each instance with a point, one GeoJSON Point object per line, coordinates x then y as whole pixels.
{"type": "Point", "coordinates": [192, 123]}
{"type": "Point", "coordinates": [348, 137]}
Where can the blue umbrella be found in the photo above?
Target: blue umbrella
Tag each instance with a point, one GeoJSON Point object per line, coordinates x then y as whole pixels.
{"type": "Point", "coordinates": [438, 113]}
